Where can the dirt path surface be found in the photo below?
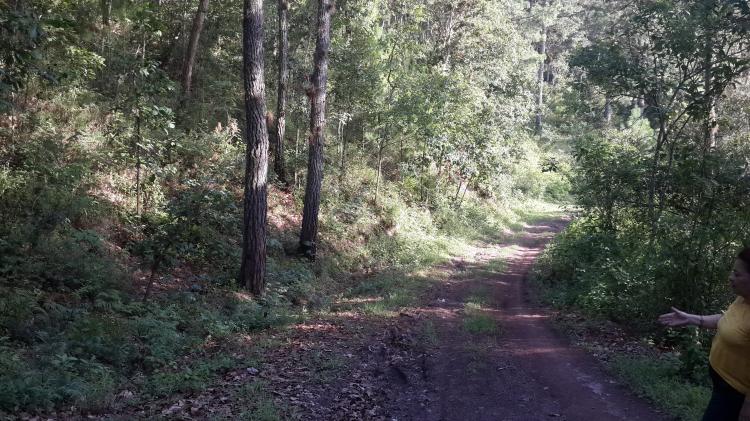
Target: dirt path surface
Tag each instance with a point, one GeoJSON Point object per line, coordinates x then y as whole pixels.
{"type": "Point", "coordinates": [496, 357]}
{"type": "Point", "coordinates": [473, 348]}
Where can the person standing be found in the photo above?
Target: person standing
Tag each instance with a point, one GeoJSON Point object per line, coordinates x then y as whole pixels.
{"type": "Point", "coordinates": [729, 359]}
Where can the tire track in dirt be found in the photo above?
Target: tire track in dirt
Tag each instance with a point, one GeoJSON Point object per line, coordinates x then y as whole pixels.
{"type": "Point", "coordinates": [523, 370]}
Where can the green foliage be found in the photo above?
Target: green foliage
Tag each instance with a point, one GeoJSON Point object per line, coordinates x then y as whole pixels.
{"type": "Point", "coordinates": [659, 380]}
{"type": "Point", "coordinates": [21, 34]}
{"type": "Point", "coordinates": [261, 402]}
{"type": "Point", "coordinates": [84, 355]}
{"type": "Point", "coordinates": [87, 384]}
{"type": "Point", "coordinates": [663, 206]}
{"type": "Point", "coordinates": [477, 322]}
{"type": "Point", "coordinates": [110, 180]}
{"type": "Point", "coordinates": [191, 378]}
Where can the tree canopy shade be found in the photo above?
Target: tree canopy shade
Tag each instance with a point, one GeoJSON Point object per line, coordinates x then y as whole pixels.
{"type": "Point", "coordinates": [283, 85]}
{"type": "Point", "coordinates": [134, 152]}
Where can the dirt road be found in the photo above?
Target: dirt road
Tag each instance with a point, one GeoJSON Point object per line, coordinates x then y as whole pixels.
{"type": "Point", "coordinates": [494, 356]}
{"type": "Point", "coordinates": [474, 349]}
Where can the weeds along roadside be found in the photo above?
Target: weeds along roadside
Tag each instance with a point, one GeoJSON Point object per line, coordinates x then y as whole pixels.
{"type": "Point", "coordinates": [668, 367]}
{"type": "Point", "coordinates": [76, 331]}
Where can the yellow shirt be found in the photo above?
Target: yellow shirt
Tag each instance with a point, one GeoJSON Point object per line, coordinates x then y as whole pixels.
{"type": "Point", "coordinates": [730, 350]}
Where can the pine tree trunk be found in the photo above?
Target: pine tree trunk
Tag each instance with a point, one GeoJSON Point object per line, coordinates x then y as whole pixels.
{"type": "Point", "coordinates": [463, 195]}
{"type": "Point", "coordinates": [253, 266]}
{"type": "Point", "coordinates": [137, 151]}
{"type": "Point", "coordinates": [192, 50]}
{"type": "Point", "coordinates": [342, 168]}
{"type": "Point", "coordinates": [378, 176]}
{"type": "Point", "coordinates": [106, 6]}
{"type": "Point", "coordinates": [607, 116]}
{"type": "Point", "coordinates": [458, 191]}
{"type": "Point", "coordinates": [540, 83]}
{"type": "Point", "coordinates": [317, 94]}
{"type": "Point", "coordinates": [712, 126]}
{"type": "Point", "coordinates": [296, 159]}
{"type": "Point", "coordinates": [279, 165]}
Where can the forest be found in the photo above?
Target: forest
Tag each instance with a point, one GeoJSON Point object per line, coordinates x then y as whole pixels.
{"type": "Point", "coordinates": [189, 187]}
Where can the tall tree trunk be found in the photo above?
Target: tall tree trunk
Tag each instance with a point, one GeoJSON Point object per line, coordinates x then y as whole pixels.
{"type": "Point", "coordinates": [607, 115]}
{"type": "Point", "coordinates": [106, 6]}
{"type": "Point", "coordinates": [317, 93]}
{"type": "Point", "coordinates": [712, 126]}
{"type": "Point", "coordinates": [654, 178]}
{"type": "Point", "coordinates": [540, 82]}
{"type": "Point", "coordinates": [192, 50]}
{"type": "Point", "coordinates": [463, 195]}
{"type": "Point", "coordinates": [137, 152]}
{"type": "Point", "coordinates": [425, 167]}
{"type": "Point", "coordinates": [458, 191]}
{"type": "Point", "coordinates": [253, 266]}
{"type": "Point", "coordinates": [378, 176]}
{"type": "Point", "coordinates": [342, 168]}
{"type": "Point", "coordinates": [296, 159]}
{"type": "Point", "coordinates": [138, 137]}
{"type": "Point", "coordinates": [279, 165]}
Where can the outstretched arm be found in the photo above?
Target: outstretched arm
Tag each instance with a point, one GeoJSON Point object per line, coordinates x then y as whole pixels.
{"type": "Point", "coordinates": [679, 318]}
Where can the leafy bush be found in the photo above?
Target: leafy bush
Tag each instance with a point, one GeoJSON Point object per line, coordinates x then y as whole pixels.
{"type": "Point", "coordinates": [61, 378]}
{"type": "Point", "coordinates": [659, 380]}
{"type": "Point", "coordinates": [191, 378]}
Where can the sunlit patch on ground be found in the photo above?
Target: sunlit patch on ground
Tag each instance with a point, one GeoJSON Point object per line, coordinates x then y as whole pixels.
{"type": "Point", "coordinates": [320, 327]}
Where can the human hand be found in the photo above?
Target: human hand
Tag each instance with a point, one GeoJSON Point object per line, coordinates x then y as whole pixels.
{"type": "Point", "coordinates": [676, 318]}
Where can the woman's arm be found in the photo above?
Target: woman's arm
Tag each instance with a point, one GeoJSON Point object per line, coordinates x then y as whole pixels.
{"type": "Point", "coordinates": [679, 318]}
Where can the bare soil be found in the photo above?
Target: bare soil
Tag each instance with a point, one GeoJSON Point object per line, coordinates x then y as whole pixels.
{"type": "Point", "coordinates": [476, 348]}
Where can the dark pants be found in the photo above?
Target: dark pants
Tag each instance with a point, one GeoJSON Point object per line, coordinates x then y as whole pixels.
{"type": "Point", "coordinates": [726, 402]}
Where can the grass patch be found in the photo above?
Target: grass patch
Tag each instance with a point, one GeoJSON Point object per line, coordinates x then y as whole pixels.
{"type": "Point", "coordinates": [479, 296]}
{"type": "Point", "coordinates": [477, 322]}
{"type": "Point", "coordinates": [480, 324]}
{"type": "Point", "coordinates": [391, 291]}
{"type": "Point", "coordinates": [659, 381]}
{"type": "Point", "coordinates": [261, 406]}
{"type": "Point", "coordinates": [496, 266]}
{"type": "Point", "coordinates": [189, 379]}
{"type": "Point", "coordinates": [265, 410]}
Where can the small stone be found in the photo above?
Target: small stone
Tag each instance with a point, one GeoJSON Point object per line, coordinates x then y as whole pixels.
{"type": "Point", "coordinates": [253, 371]}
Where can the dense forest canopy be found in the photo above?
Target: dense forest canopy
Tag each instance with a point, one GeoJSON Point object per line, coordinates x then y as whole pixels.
{"type": "Point", "coordinates": [133, 133]}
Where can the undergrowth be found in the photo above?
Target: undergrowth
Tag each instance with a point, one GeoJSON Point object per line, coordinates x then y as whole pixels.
{"type": "Point", "coordinates": [660, 381]}
{"type": "Point", "coordinates": [582, 273]}
{"type": "Point", "coordinates": [101, 307]}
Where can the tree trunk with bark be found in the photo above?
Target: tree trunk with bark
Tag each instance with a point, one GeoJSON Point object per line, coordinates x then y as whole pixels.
{"type": "Point", "coordinates": [279, 165]}
{"type": "Point", "coordinates": [317, 95]}
{"type": "Point", "coordinates": [712, 125]}
{"type": "Point", "coordinates": [137, 152]}
{"type": "Point", "coordinates": [607, 115]}
{"type": "Point", "coordinates": [379, 174]}
{"type": "Point", "coordinates": [342, 167]}
{"type": "Point", "coordinates": [253, 265]}
{"type": "Point", "coordinates": [540, 83]}
{"type": "Point", "coordinates": [192, 50]}
{"type": "Point", "coordinates": [106, 6]}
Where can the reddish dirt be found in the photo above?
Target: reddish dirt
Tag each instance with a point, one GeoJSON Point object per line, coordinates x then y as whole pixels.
{"type": "Point", "coordinates": [524, 371]}
{"type": "Point", "coordinates": [423, 364]}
